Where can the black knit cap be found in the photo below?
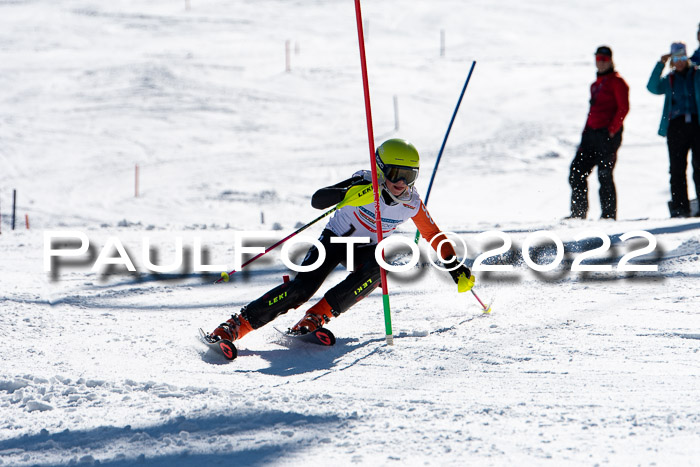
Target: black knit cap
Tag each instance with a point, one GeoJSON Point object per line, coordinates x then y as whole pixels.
{"type": "Point", "coordinates": [604, 50]}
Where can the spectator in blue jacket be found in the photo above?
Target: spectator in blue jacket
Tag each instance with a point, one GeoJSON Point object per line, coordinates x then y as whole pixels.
{"type": "Point", "coordinates": [679, 122]}
{"type": "Point", "coordinates": [696, 55]}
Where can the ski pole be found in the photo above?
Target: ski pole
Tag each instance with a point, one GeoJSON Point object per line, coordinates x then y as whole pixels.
{"type": "Point", "coordinates": [226, 275]}
{"type": "Point", "coordinates": [486, 309]}
{"type": "Point", "coordinates": [444, 141]}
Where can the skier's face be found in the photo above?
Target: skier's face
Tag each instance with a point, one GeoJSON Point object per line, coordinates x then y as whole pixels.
{"type": "Point", "coordinates": [396, 188]}
{"type": "Point", "coordinates": [603, 63]}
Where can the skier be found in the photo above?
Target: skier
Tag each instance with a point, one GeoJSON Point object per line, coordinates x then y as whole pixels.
{"type": "Point", "coordinates": [601, 138]}
{"type": "Point", "coordinates": [397, 169]}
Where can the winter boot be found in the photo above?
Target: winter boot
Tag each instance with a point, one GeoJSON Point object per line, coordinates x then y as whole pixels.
{"type": "Point", "coordinates": [233, 329]}
{"type": "Point", "coordinates": [315, 317]}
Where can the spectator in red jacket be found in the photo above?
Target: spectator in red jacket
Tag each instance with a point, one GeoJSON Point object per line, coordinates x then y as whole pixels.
{"type": "Point", "coordinates": [601, 138]}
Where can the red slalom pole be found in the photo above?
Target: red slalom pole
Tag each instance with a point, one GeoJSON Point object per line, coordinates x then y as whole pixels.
{"type": "Point", "coordinates": [373, 165]}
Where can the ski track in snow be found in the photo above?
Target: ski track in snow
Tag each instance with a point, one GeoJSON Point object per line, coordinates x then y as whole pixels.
{"type": "Point", "coordinates": [570, 368]}
{"type": "Point", "coordinates": [557, 367]}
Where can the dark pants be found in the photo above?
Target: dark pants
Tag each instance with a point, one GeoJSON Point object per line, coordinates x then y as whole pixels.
{"type": "Point", "coordinates": [682, 137]}
{"type": "Point", "coordinates": [357, 285]}
{"type": "Point", "coordinates": [597, 149]}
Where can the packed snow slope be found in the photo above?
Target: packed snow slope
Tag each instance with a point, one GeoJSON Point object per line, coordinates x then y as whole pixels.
{"type": "Point", "coordinates": [106, 366]}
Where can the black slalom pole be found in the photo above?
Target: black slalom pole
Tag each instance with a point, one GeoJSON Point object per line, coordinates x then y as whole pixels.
{"type": "Point", "coordinates": [14, 206]}
{"type": "Point", "coordinates": [444, 141]}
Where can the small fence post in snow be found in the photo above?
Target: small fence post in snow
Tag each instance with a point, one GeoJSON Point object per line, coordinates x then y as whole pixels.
{"type": "Point", "coordinates": [442, 42]}
{"type": "Point", "coordinates": [26, 221]}
{"type": "Point", "coordinates": [396, 112]}
{"type": "Point", "coordinates": [287, 58]}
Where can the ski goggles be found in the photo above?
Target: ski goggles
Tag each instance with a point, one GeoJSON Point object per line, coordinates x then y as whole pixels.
{"type": "Point", "coordinates": [396, 173]}
{"type": "Point", "coordinates": [602, 58]}
{"type": "Point", "coordinates": [679, 58]}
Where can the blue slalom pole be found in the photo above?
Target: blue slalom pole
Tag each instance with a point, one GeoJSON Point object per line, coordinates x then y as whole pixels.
{"type": "Point", "coordinates": [444, 141]}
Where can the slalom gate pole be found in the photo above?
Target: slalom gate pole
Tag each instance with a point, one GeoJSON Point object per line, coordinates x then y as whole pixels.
{"type": "Point", "coordinates": [14, 207]}
{"type": "Point", "coordinates": [225, 275]}
{"type": "Point", "coordinates": [444, 141]}
{"type": "Point", "coordinates": [373, 165]}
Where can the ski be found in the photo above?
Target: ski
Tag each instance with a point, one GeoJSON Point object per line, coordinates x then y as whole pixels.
{"type": "Point", "coordinates": [320, 336]}
{"type": "Point", "coordinates": [224, 346]}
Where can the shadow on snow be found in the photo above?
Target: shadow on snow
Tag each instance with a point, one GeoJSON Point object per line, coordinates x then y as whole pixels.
{"type": "Point", "coordinates": [133, 445]}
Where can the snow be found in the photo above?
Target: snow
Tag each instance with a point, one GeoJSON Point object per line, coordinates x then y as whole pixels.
{"type": "Point", "coordinates": [570, 368]}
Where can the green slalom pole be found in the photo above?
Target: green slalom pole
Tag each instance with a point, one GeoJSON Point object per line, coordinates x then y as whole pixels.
{"type": "Point", "coordinates": [444, 141]}
{"type": "Point", "coordinates": [387, 319]}
{"type": "Point", "coordinates": [375, 183]}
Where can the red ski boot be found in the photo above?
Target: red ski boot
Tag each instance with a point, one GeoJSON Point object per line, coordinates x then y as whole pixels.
{"type": "Point", "coordinates": [233, 329]}
{"type": "Point", "coordinates": [315, 317]}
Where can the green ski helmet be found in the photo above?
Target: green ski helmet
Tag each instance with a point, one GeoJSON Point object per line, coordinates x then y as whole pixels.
{"type": "Point", "coordinates": [397, 160]}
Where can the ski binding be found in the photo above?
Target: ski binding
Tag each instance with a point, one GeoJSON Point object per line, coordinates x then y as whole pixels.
{"type": "Point", "coordinates": [320, 336]}
{"type": "Point", "coordinates": [224, 346]}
